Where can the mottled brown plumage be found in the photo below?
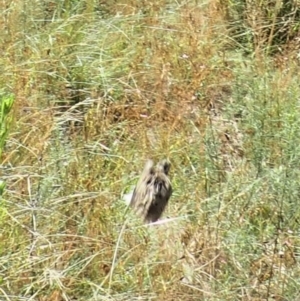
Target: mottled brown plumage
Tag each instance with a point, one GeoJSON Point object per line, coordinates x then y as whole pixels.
{"type": "Point", "coordinates": [152, 191]}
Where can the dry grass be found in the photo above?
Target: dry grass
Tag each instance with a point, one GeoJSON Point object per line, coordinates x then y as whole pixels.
{"type": "Point", "coordinates": [98, 89]}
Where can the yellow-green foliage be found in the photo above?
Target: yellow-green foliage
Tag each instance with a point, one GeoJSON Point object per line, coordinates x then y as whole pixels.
{"type": "Point", "coordinates": [101, 86]}
{"type": "Point", "coordinates": [6, 102]}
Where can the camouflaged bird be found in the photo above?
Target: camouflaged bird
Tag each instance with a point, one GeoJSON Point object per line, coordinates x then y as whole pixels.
{"type": "Point", "coordinates": [152, 191]}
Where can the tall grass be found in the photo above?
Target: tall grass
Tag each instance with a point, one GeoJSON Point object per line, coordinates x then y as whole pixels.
{"type": "Point", "coordinates": [101, 87]}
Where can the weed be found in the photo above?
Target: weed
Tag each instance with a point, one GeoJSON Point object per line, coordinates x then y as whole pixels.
{"type": "Point", "coordinates": [98, 88]}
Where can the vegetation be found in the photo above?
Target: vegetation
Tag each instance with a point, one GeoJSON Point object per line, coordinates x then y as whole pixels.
{"type": "Point", "coordinates": [99, 87]}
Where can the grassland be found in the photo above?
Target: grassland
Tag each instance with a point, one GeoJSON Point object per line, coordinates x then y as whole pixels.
{"type": "Point", "coordinates": [99, 87]}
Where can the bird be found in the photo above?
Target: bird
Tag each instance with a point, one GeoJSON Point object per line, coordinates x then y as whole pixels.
{"type": "Point", "coordinates": [153, 191]}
